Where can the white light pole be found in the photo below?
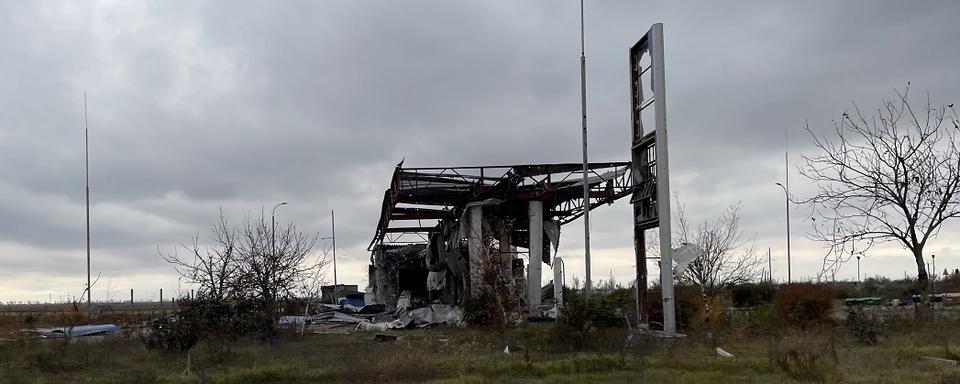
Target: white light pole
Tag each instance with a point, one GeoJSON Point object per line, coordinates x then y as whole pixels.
{"type": "Point", "coordinates": [586, 186]}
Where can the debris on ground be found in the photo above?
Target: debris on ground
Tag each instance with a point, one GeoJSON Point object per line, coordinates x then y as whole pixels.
{"type": "Point", "coordinates": [432, 315]}
{"type": "Point", "coordinates": [384, 338]}
{"type": "Point", "coordinates": [80, 330]}
{"type": "Point", "coordinates": [941, 360]}
{"type": "Point", "coordinates": [375, 318]}
{"type": "Point", "coordinates": [722, 353]}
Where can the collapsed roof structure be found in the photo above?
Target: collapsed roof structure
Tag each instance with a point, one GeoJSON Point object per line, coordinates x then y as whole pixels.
{"type": "Point", "coordinates": [437, 224]}
{"type": "Point", "coordinates": [494, 209]}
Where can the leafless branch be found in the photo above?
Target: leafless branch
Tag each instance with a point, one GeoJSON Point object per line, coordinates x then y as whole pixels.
{"type": "Point", "coordinates": [891, 177]}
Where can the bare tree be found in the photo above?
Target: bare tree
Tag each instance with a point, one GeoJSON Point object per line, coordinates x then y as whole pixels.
{"type": "Point", "coordinates": [274, 261]}
{"type": "Point", "coordinates": [215, 268]}
{"type": "Point", "coordinates": [258, 261]}
{"type": "Point", "coordinates": [889, 177]}
{"type": "Point", "coordinates": [728, 258]}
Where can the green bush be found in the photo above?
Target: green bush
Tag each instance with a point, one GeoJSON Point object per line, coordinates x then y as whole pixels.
{"type": "Point", "coordinates": [217, 322]}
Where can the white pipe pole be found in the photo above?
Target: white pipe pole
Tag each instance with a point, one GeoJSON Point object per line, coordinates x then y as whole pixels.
{"type": "Point", "coordinates": [663, 182]}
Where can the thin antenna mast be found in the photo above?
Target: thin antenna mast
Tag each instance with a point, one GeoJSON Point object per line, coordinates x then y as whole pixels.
{"type": "Point", "coordinates": [586, 187]}
{"type": "Point", "coordinates": [786, 171]}
{"type": "Point", "coordinates": [333, 231]}
{"type": "Point", "coordinates": [769, 265]}
{"type": "Point", "coordinates": [86, 145]}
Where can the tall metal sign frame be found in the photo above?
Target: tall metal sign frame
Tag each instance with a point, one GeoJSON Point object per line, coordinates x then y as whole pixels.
{"type": "Point", "coordinates": [650, 168]}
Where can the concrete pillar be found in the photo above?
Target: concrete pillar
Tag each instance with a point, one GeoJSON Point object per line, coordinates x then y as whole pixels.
{"type": "Point", "coordinates": [535, 213]}
{"type": "Point", "coordinates": [475, 247]}
{"type": "Point", "coordinates": [558, 280]}
{"type": "Point", "coordinates": [506, 275]}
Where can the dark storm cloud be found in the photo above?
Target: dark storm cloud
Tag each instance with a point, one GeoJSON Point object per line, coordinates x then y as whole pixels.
{"type": "Point", "coordinates": [196, 107]}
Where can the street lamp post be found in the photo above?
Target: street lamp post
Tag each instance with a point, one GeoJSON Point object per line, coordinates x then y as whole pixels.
{"type": "Point", "coordinates": [786, 194]}
{"type": "Point", "coordinates": [933, 274]}
{"type": "Point", "coordinates": [273, 227]}
{"type": "Point", "coordinates": [859, 282]}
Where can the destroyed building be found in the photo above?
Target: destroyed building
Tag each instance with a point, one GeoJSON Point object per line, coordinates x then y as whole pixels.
{"type": "Point", "coordinates": [447, 233]}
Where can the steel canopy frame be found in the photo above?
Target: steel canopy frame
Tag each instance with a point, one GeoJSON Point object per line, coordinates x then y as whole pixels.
{"type": "Point", "coordinates": [427, 195]}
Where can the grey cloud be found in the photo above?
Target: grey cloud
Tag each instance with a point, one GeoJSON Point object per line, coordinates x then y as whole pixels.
{"type": "Point", "coordinates": [237, 105]}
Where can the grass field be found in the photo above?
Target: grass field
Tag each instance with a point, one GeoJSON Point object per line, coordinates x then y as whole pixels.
{"type": "Point", "coordinates": [445, 355]}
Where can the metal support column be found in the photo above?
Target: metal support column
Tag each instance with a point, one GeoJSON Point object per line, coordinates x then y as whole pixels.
{"type": "Point", "coordinates": [640, 252]}
{"type": "Point", "coordinates": [475, 247]}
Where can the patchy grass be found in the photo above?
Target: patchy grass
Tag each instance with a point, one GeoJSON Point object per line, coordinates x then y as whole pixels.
{"type": "Point", "coordinates": [476, 356]}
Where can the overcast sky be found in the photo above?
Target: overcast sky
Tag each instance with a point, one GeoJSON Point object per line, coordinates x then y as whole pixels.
{"type": "Point", "coordinates": [197, 106]}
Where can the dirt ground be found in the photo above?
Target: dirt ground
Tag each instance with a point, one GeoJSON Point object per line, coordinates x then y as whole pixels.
{"type": "Point", "coordinates": [537, 355]}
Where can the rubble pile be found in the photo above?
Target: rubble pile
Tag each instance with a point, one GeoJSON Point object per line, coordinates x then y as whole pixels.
{"type": "Point", "coordinates": [376, 318]}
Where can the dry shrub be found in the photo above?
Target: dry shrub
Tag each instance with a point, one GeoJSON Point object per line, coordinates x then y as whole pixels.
{"type": "Point", "coordinates": [492, 303]}
{"type": "Point", "coordinates": [761, 320]}
{"type": "Point", "coordinates": [752, 294]}
{"type": "Point", "coordinates": [66, 355]}
{"type": "Point", "coordinates": [583, 318]}
{"type": "Point", "coordinates": [140, 376]}
{"type": "Point", "coordinates": [950, 378]}
{"type": "Point", "coordinates": [484, 309]}
{"type": "Point", "coordinates": [807, 358]}
{"type": "Point", "coordinates": [804, 305]}
{"type": "Point", "coordinates": [689, 307]}
{"type": "Point", "coordinates": [390, 370]}
{"type": "Point", "coordinates": [865, 327]}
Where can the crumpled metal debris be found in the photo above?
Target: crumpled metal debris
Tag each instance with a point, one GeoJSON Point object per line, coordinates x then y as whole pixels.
{"type": "Point", "coordinates": [380, 327]}
{"type": "Point", "coordinates": [292, 320]}
{"type": "Point", "coordinates": [335, 317]}
{"type": "Point", "coordinates": [80, 330]}
{"type": "Point", "coordinates": [722, 353]}
{"type": "Point", "coordinates": [404, 300]}
{"type": "Point", "coordinates": [375, 318]}
{"type": "Point", "coordinates": [433, 314]}
{"type": "Point", "coordinates": [436, 280]}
